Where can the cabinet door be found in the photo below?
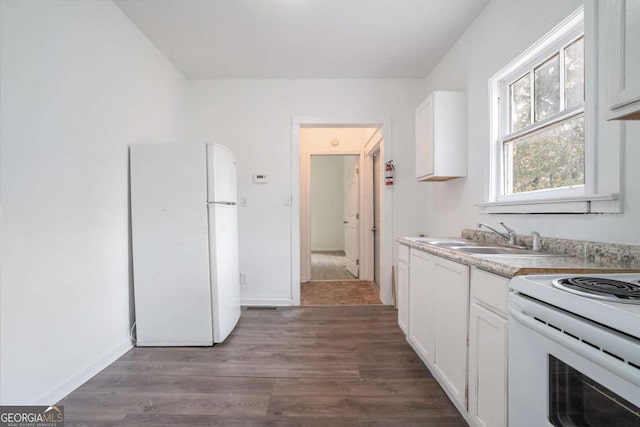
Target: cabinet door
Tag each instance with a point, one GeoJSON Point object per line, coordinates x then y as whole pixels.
{"type": "Point", "coordinates": [424, 139]}
{"type": "Point", "coordinates": [623, 36]}
{"type": "Point", "coordinates": [487, 367]}
{"type": "Point", "coordinates": [403, 296]}
{"type": "Point", "coordinates": [451, 325]}
{"type": "Point", "coordinates": [490, 290]}
{"type": "Point", "coordinates": [422, 304]}
{"type": "Point", "coordinates": [441, 137]}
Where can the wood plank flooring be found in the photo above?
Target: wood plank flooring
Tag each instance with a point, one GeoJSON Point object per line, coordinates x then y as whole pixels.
{"type": "Point", "coordinates": [348, 292]}
{"type": "Point", "coordinates": [329, 265]}
{"type": "Point", "coordinates": [302, 366]}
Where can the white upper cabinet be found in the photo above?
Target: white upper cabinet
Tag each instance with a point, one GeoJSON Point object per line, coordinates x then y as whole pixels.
{"type": "Point", "coordinates": [622, 38]}
{"type": "Point", "coordinates": [441, 137]}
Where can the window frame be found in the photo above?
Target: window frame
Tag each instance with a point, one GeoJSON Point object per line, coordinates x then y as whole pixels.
{"type": "Point", "coordinates": [564, 38]}
{"type": "Point", "coordinates": [590, 201]}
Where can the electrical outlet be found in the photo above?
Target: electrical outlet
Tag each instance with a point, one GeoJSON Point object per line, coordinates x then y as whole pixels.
{"type": "Point", "coordinates": [287, 200]}
{"type": "Point", "coordinates": [243, 278]}
{"type": "Point", "coordinates": [243, 201]}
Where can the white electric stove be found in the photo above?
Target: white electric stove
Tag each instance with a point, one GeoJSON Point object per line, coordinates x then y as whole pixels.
{"type": "Point", "coordinates": [574, 350]}
{"type": "Point", "coordinates": [620, 313]}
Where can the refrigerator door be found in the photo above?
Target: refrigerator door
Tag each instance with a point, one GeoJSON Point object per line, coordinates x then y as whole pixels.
{"type": "Point", "coordinates": [225, 271]}
{"type": "Point", "coordinates": [170, 245]}
{"type": "Point", "coordinates": [222, 174]}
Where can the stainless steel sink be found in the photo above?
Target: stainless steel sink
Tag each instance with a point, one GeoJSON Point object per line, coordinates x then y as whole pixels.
{"type": "Point", "coordinates": [501, 250]}
{"type": "Point", "coordinates": [481, 248]}
{"type": "Point", "coordinates": [490, 250]}
{"type": "Point", "coordinates": [446, 243]}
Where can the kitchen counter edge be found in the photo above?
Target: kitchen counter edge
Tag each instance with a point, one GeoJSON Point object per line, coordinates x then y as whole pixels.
{"type": "Point", "coordinates": [509, 267]}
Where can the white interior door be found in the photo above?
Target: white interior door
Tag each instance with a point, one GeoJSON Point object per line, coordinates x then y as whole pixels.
{"type": "Point", "coordinates": [352, 215]}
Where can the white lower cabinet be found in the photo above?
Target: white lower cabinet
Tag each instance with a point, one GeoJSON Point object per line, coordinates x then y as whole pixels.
{"type": "Point", "coordinates": [421, 305]}
{"type": "Point", "coordinates": [403, 296]}
{"type": "Point", "coordinates": [402, 289]}
{"type": "Point", "coordinates": [488, 349]}
{"type": "Point", "coordinates": [457, 324]}
{"type": "Point", "coordinates": [438, 319]}
{"type": "Point", "coordinates": [487, 363]}
{"type": "Point", "coordinates": [451, 323]}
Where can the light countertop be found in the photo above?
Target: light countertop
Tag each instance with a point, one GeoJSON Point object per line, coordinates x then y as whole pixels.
{"type": "Point", "coordinates": [510, 266]}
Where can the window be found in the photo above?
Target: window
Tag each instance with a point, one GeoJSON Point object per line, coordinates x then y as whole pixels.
{"type": "Point", "coordinates": [542, 143]}
{"type": "Point", "coordinates": [551, 149]}
{"type": "Point", "coordinates": [538, 119]}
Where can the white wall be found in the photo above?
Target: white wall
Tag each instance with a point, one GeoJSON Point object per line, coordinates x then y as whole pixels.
{"type": "Point", "coordinates": [327, 203]}
{"type": "Point", "coordinates": [254, 119]}
{"type": "Point", "coordinates": [78, 84]}
{"type": "Point", "coordinates": [501, 32]}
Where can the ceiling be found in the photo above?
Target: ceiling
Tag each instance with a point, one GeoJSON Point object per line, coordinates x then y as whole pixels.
{"type": "Point", "coordinates": [209, 39]}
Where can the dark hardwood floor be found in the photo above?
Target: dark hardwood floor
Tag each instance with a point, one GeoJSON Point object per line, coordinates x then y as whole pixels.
{"type": "Point", "coordinates": [303, 366]}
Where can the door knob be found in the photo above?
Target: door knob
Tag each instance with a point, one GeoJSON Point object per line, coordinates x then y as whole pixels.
{"type": "Point", "coordinates": [374, 228]}
{"type": "Point", "coordinates": [345, 222]}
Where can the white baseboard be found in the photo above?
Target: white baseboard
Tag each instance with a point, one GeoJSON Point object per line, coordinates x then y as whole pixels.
{"type": "Point", "coordinates": [327, 249]}
{"type": "Point", "coordinates": [84, 375]}
{"type": "Point", "coordinates": [266, 302]}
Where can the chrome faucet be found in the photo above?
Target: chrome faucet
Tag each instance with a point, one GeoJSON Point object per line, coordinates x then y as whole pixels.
{"type": "Point", "coordinates": [537, 246]}
{"type": "Point", "coordinates": [510, 236]}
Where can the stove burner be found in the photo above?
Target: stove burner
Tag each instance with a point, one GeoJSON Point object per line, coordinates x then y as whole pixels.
{"type": "Point", "coordinates": [601, 288]}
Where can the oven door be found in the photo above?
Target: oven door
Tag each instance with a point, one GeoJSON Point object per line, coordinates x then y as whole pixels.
{"type": "Point", "coordinates": [566, 371]}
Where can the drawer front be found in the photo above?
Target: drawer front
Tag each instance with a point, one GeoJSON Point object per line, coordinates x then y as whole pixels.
{"type": "Point", "coordinates": [403, 253]}
{"type": "Point", "coordinates": [489, 289]}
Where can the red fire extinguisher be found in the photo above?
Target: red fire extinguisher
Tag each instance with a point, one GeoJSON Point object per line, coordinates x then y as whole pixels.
{"type": "Point", "coordinates": [388, 172]}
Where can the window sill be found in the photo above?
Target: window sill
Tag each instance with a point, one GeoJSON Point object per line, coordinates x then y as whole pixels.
{"type": "Point", "coordinates": [592, 204]}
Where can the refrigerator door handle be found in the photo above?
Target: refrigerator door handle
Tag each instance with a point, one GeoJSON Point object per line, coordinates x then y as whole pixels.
{"type": "Point", "coordinates": [222, 203]}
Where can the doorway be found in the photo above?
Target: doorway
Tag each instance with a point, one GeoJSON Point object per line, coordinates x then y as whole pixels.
{"type": "Point", "coordinates": [350, 150]}
{"type": "Point", "coordinates": [334, 197]}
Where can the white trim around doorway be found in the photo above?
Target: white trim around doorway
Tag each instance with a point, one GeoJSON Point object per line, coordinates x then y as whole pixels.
{"type": "Point", "coordinates": [383, 144]}
{"type": "Point", "coordinates": [372, 147]}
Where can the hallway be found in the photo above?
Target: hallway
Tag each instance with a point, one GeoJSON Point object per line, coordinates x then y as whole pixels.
{"type": "Point", "coordinates": [332, 284]}
{"type": "Point", "coordinates": [329, 265]}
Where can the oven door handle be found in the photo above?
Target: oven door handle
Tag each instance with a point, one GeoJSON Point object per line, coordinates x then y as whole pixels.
{"type": "Point", "coordinates": [617, 367]}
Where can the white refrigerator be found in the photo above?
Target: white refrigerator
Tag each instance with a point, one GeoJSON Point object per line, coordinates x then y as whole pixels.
{"type": "Point", "coordinates": [185, 243]}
